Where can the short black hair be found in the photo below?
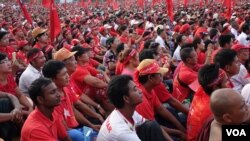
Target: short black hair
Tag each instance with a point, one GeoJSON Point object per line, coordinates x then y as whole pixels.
{"type": "Point", "coordinates": [80, 51]}
{"type": "Point", "coordinates": [52, 68]}
{"type": "Point", "coordinates": [196, 41]}
{"type": "Point", "coordinates": [245, 27]}
{"type": "Point", "coordinates": [206, 75]}
{"type": "Point", "coordinates": [213, 32]}
{"type": "Point", "coordinates": [36, 88]}
{"type": "Point", "coordinates": [2, 56]}
{"type": "Point", "coordinates": [117, 88]}
{"type": "Point", "coordinates": [225, 57]}
{"type": "Point", "coordinates": [224, 39]}
{"type": "Point", "coordinates": [186, 53]}
{"type": "Point", "coordinates": [179, 39]}
{"type": "Point", "coordinates": [3, 33]}
{"type": "Point", "coordinates": [147, 44]}
{"type": "Point", "coordinates": [146, 54]}
{"type": "Point", "coordinates": [120, 48]}
{"type": "Point", "coordinates": [32, 52]}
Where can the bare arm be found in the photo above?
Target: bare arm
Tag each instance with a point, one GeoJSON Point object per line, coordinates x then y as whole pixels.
{"type": "Point", "coordinates": [23, 100]}
{"type": "Point", "coordinates": [178, 106]}
{"type": "Point", "coordinates": [82, 120]}
{"type": "Point", "coordinates": [83, 108]}
{"type": "Point", "coordinates": [162, 111]}
{"type": "Point", "coordinates": [94, 82]}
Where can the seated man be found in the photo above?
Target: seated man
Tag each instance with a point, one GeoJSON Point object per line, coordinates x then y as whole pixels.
{"type": "Point", "coordinates": [10, 112]}
{"type": "Point", "coordinates": [36, 60]}
{"type": "Point", "coordinates": [57, 71]}
{"type": "Point", "coordinates": [121, 123]}
{"type": "Point", "coordinates": [210, 77]}
{"type": "Point", "coordinates": [228, 108]}
{"type": "Point", "coordinates": [147, 77]}
{"type": "Point", "coordinates": [43, 123]}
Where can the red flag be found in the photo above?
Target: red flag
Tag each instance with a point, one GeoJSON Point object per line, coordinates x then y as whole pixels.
{"type": "Point", "coordinates": [24, 10]}
{"type": "Point", "coordinates": [65, 4]}
{"type": "Point", "coordinates": [201, 3]}
{"type": "Point", "coordinates": [89, 2]}
{"type": "Point", "coordinates": [96, 3]}
{"type": "Point", "coordinates": [115, 5]}
{"type": "Point", "coordinates": [185, 2]}
{"type": "Point", "coordinates": [55, 26]}
{"type": "Point", "coordinates": [46, 3]}
{"type": "Point", "coordinates": [83, 4]}
{"type": "Point", "coordinates": [140, 3]}
{"type": "Point", "coordinates": [170, 9]}
{"type": "Point", "coordinates": [229, 8]}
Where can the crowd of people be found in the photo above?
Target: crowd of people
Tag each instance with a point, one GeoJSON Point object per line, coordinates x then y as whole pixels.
{"type": "Point", "coordinates": [128, 73]}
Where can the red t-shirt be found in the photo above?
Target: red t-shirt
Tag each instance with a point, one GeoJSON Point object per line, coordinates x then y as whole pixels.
{"type": "Point", "coordinates": [37, 45]}
{"type": "Point", "coordinates": [38, 127]}
{"type": "Point", "coordinates": [78, 77]}
{"type": "Point", "coordinates": [125, 40]}
{"type": "Point", "coordinates": [65, 109]}
{"type": "Point", "coordinates": [187, 76]}
{"type": "Point", "coordinates": [201, 57]}
{"type": "Point", "coordinates": [8, 51]}
{"type": "Point", "coordinates": [162, 93]}
{"type": "Point", "coordinates": [10, 87]}
{"type": "Point", "coordinates": [149, 104]}
{"type": "Point", "coordinates": [139, 31]}
{"type": "Point", "coordinates": [94, 63]}
{"type": "Point", "coordinates": [199, 112]}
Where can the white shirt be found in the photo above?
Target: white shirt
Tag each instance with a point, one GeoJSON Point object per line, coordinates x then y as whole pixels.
{"type": "Point", "coordinates": [177, 54]}
{"type": "Point", "coordinates": [235, 33]}
{"type": "Point", "coordinates": [240, 80]}
{"type": "Point", "coordinates": [242, 38]}
{"type": "Point", "coordinates": [28, 76]}
{"type": "Point", "coordinates": [160, 41]}
{"type": "Point", "coordinates": [117, 128]}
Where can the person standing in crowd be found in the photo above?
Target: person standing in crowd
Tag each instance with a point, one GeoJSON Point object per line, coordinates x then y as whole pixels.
{"type": "Point", "coordinates": [243, 38]}
{"type": "Point", "coordinates": [43, 123]}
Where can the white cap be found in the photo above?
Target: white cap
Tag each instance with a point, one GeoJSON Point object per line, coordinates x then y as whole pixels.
{"type": "Point", "coordinates": [149, 25]}
{"type": "Point", "coordinates": [107, 26]}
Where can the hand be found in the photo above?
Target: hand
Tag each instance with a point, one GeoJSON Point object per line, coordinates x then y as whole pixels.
{"type": "Point", "coordinates": [210, 49]}
{"type": "Point", "coordinates": [16, 115]}
{"type": "Point", "coordinates": [101, 110]}
{"type": "Point", "coordinates": [183, 136]}
{"type": "Point", "coordinates": [96, 127]}
{"type": "Point", "coordinates": [100, 118]}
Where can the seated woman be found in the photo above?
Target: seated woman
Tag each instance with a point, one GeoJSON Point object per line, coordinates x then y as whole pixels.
{"type": "Point", "coordinates": [130, 60]}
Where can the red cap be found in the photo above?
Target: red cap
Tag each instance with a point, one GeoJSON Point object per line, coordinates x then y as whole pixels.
{"type": "Point", "coordinates": [177, 28]}
{"type": "Point", "coordinates": [238, 47]}
{"type": "Point", "coordinates": [184, 28]}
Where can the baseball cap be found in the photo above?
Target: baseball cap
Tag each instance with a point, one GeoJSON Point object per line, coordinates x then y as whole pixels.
{"type": "Point", "coordinates": [63, 54]}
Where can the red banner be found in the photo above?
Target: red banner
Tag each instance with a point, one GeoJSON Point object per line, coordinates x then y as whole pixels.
{"type": "Point", "coordinates": [55, 26]}
{"type": "Point", "coordinates": [25, 12]}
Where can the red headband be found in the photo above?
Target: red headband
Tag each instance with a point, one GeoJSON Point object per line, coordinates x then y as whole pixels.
{"type": "Point", "coordinates": [131, 54]}
{"type": "Point", "coordinates": [152, 68]}
{"type": "Point", "coordinates": [38, 54]}
{"type": "Point", "coordinates": [218, 80]}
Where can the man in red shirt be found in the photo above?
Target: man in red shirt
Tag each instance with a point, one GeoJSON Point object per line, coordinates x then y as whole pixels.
{"type": "Point", "coordinates": [187, 74]}
{"type": "Point", "coordinates": [147, 77]}
{"type": "Point", "coordinates": [43, 123]}
{"type": "Point", "coordinates": [57, 71]}
{"type": "Point", "coordinates": [211, 77]}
